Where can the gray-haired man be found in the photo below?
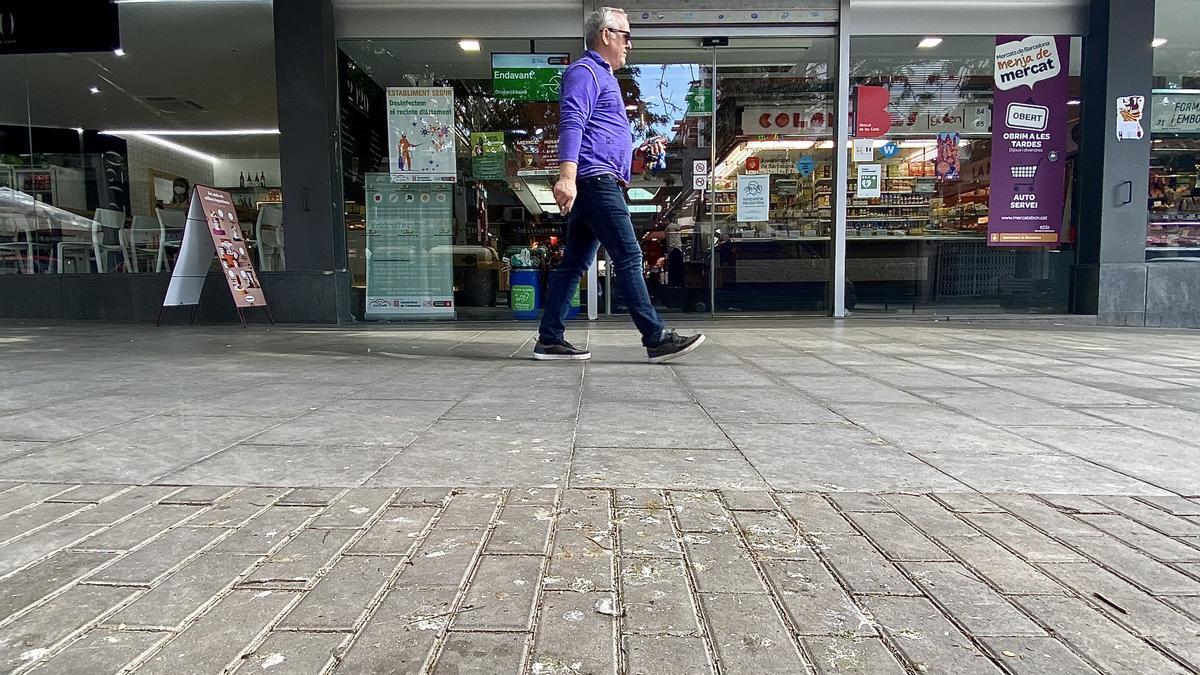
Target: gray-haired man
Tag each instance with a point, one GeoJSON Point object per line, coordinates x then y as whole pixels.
{"type": "Point", "coordinates": [595, 149]}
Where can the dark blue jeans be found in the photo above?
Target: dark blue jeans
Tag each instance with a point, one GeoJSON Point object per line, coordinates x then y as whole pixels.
{"type": "Point", "coordinates": [600, 217]}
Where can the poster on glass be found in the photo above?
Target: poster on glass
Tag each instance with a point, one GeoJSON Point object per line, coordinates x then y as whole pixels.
{"type": "Point", "coordinates": [421, 138]}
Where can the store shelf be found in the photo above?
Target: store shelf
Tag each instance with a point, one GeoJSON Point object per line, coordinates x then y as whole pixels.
{"type": "Point", "coordinates": [875, 238]}
{"type": "Point", "coordinates": [886, 219]}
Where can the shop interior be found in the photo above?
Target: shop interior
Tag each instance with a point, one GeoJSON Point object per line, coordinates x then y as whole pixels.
{"type": "Point", "coordinates": [1173, 230]}
{"type": "Point", "coordinates": [919, 247]}
{"type": "Point", "coordinates": [99, 151]}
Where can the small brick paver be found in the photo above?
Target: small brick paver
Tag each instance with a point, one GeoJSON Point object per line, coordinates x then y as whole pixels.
{"type": "Point", "coordinates": [469, 567]}
{"type": "Point", "coordinates": [402, 588]}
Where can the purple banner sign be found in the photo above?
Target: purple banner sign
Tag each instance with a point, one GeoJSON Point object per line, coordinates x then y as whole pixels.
{"type": "Point", "coordinates": [1029, 141]}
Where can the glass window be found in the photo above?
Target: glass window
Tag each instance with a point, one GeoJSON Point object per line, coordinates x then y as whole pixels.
{"type": "Point", "coordinates": [483, 155]}
{"type": "Point", "coordinates": [918, 229]}
{"type": "Point", "coordinates": [99, 151]}
{"type": "Point", "coordinates": [1174, 198]}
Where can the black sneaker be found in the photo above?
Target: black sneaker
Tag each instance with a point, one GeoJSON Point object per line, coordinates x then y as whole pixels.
{"type": "Point", "coordinates": [673, 346]}
{"type": "Point", "coordinates": [560, 351]}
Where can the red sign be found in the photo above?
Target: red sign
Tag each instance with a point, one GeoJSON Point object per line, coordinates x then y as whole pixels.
{"type": "Point", "coordinates": [871, 117]}
{"type": "Point", "coordinates": [753, 163]}
{"type": "Point", "coordinates": [221, 219]}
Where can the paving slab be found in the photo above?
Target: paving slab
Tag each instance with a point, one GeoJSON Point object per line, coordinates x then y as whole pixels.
{"type": "Point", "coordinates": [1036, 656]}
{"type": "Point", "coordinates": [221, 635]}
{"type": "Point", "coordinates": [831, 655]}
{"type": "Point", "coordinates": [185, 592]}
{"type": "Point", "coordinates": [404, 631]}
{"type": "Point", "coordinates": [657, 598]}
{"type": "Point", "coordinates": [1101, 641]}
{"type": "Point", "coordinates": [481, 654]}
{"type": "Point", "coordinates": [763, 646]}
{"type": "Point", "coordinates": [39, 631]}
{"type": "Point", "coordinates": [572, 635]}
{"type": "Point", "coordinates": [969, 601]}
{"type": "Point", "coordinates": [295, 653]}
{"type": "Point", "coordinates": [928, 641]}
{"type": "Point", "coordinates": [49, 576]}
{"type": "Point", "coordinates": [667, 655]}
{"type": "Point", "coordinates": [815, 603]}
{"type": "Point", "coordinates": [101, 650]}
{"type": "Point", "coordinates": [343, 595]}
{"type": "Point", "coordinates": [501, 594]}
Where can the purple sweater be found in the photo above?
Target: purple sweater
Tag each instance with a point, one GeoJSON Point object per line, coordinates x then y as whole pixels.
{"type": "Point", "coordinates": [593, 130]}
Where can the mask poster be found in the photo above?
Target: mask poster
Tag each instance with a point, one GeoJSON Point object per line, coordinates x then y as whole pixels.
{"type": "Point", "coordinates": [421, 134]}
{"type": "Point", "coordinates": [1029, 141]}
{"type": "Point", "coordinates": [410, 236]}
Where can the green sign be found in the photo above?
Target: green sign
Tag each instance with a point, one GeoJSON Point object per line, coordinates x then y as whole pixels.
{"type": "Point", "coordinates": [699, 102]}
{"type": "Point", "coordinates": [487, 155]}
{"type": "Point", "coordinates": [528, 77]}
{"type": "Point", "coordinates": [523, 298]}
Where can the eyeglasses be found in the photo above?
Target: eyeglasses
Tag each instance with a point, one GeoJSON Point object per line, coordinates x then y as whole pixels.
{"type": "Point", "coordinates": [627, 35]}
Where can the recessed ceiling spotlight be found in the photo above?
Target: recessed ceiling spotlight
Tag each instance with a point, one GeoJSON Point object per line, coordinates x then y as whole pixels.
{"type": "Point", "coordinates": [119, 52]}
{"type": "Point", "coordinates": [929, 42]}
{"type": "Point", "coordinates": [469, 45]}
{"type": "Point", "coordinates": [1158, 42]}
{"type": "Point", "coordinates": [94, 90]}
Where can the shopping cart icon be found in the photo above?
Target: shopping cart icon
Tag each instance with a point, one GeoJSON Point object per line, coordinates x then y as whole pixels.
{"type": "Point", "coordinates": [1024, 177]}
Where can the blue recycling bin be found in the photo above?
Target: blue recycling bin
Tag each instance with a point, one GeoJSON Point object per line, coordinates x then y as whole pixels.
{"type": "Point", "coordinates": [573, 310]}
{"type": "Point", "coordinates": [525, 293]}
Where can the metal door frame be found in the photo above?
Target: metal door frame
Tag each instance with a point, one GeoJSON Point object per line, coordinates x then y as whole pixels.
{"type": "Point", "coordinates": [841, 71]}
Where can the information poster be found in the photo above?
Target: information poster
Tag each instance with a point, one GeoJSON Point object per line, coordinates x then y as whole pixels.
{"type": "Point", "coordinates": [753, 198]}
{"type": "Point", "coordinates": [487, 155]}
{"type": "Point", "coordinates": [410, 229]}
{"type": "Point", "coordinates": [212, 224]}
{"type": "Point", "coordinates": [864, 150]}
{"type": "Point", "coordinates": [537, 157]}
{"type": "Point", "coordinates": [1175, 113]}
{"type": "Point", "coordinates": [528, 77]}
{"type": "Point", "coordinates": [1029, 142]}
{"type": "Point", "coordinates": [421, 133]}
{"type": "Point", "coordinates": [870, 181]}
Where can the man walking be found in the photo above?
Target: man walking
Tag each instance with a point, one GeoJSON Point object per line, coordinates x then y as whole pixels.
{"type": "Point", "coordinates": [595, 150]}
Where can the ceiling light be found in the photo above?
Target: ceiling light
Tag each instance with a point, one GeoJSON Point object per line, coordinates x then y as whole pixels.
{"type": "Point", "coordinates": [1073, 101]}
{"type": "Point", "coordinates": [149, 138]}
{"type": "Point", "coordinates": [929, 42]}
{"type": "Point", "coordinates": [469, 45]}
{"type": "Point", "coordinates": [780, 145]}
{"type": "Point", "coordinates": [119, 52]}
{"type": "Point", "coordinates": [192, 132]}
{"type": "Point", "coordinates": [94, 90]}
{"type": "Point", "coordinates": [79, 130]}
{"type": "Point", "coordinates": [1158, 42]}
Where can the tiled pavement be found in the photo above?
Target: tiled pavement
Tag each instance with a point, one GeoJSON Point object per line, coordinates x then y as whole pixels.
{"type": "Point", "coordinates": [799, 497]}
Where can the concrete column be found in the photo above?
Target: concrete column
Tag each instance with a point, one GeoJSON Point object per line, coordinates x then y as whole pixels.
{"type": "Point", "coordinates": [1111, 278]}
{"type": "Point", "coordinates": [306, 88]}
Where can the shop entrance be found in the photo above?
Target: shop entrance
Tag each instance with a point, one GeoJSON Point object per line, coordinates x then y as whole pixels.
{"type": "Point", "coordinates": [731, 196]}
{"type": "Point", "coordinates": [733, 174]}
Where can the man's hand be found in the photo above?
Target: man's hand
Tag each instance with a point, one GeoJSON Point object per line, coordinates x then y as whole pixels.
{"type": "Point", "coordinates": [564, 194]}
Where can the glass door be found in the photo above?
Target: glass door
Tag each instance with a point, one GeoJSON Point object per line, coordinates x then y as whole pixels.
{"type": "Point", "coordinates": [733, 166]}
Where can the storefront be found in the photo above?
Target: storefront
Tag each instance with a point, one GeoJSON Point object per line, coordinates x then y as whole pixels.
{"type": "Point", "coordinates": [802, 157]}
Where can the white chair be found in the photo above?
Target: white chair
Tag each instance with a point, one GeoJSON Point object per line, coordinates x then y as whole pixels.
{"type": "Point", "coordinates": [105, 229]}
{"type": "Point", "coordinates": [145, 239]}
{"type": "Point", "coordinates": [172, 224]}
{"type": "Point", "coordinates": [108, 238]}
{"type": "Point", "coordinates": [268, 232]}
{"type": "Point", "coordinates": [16, 243]}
